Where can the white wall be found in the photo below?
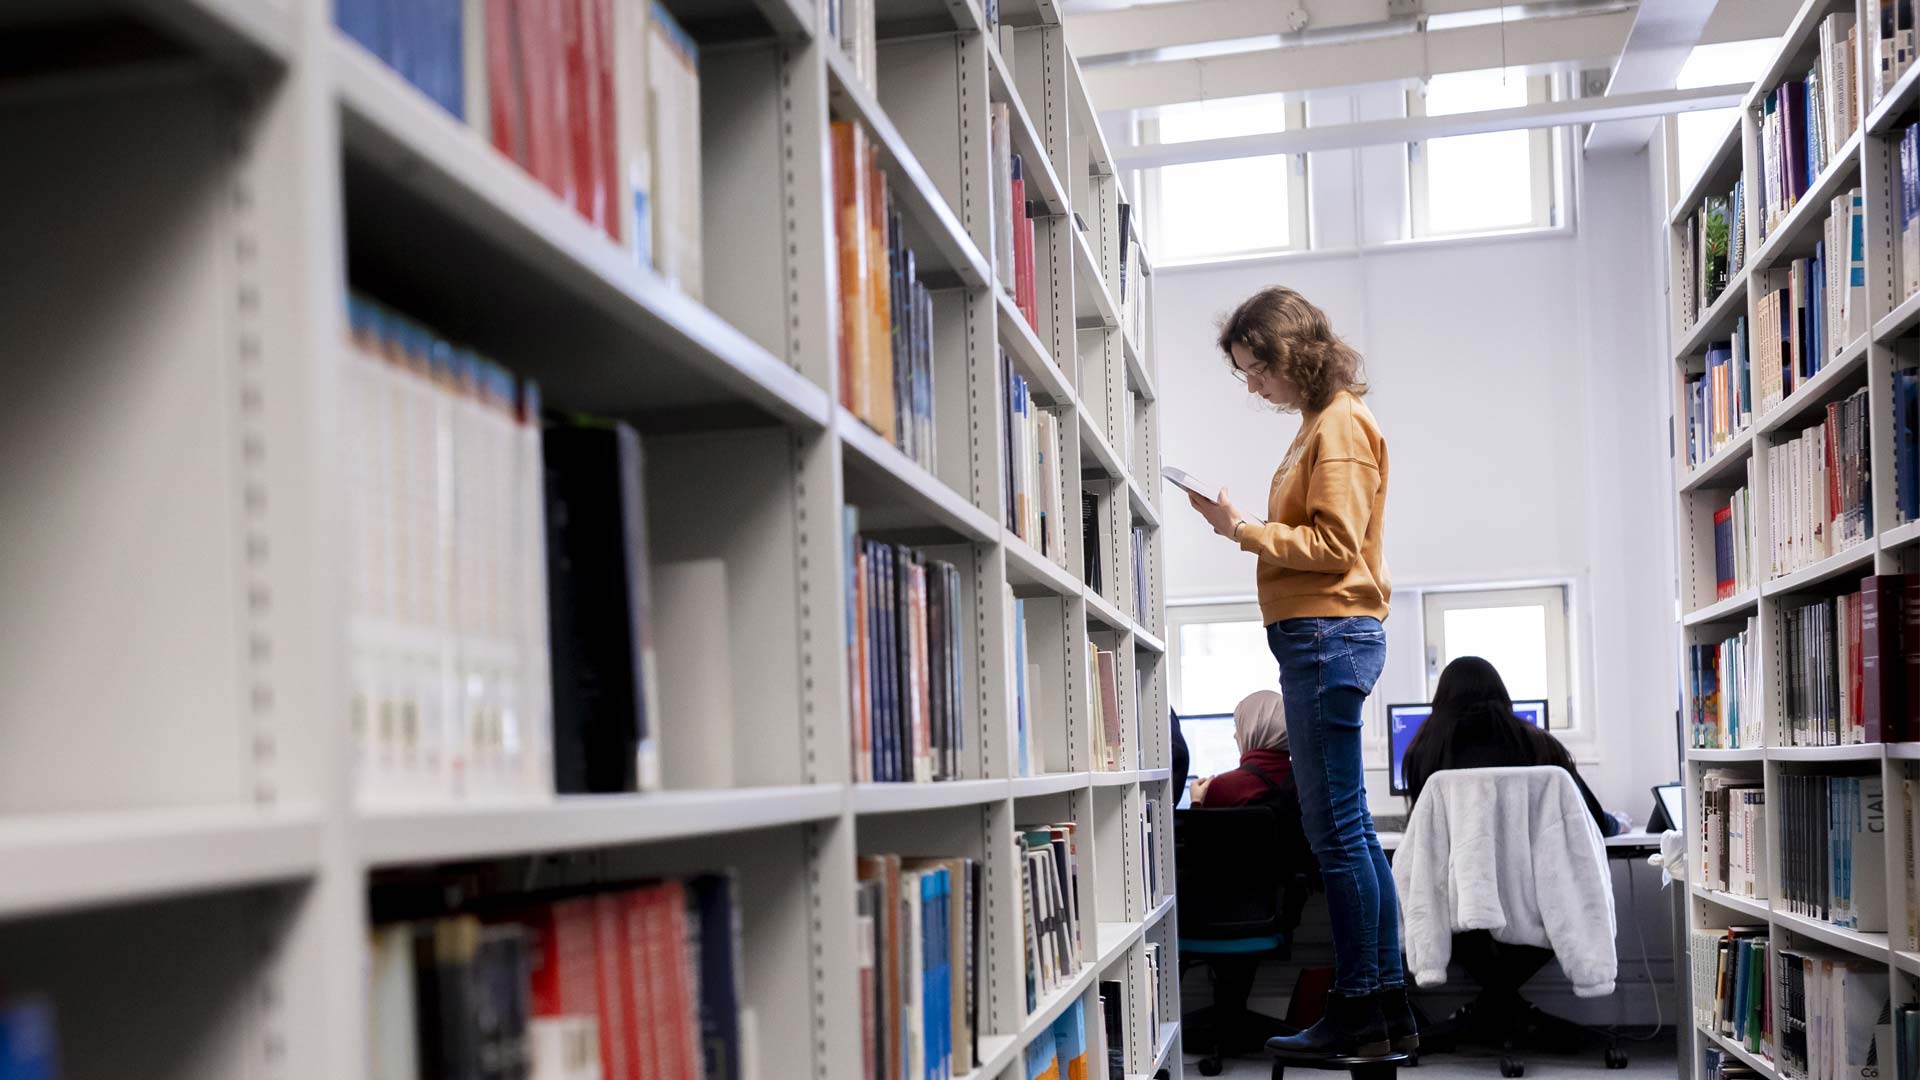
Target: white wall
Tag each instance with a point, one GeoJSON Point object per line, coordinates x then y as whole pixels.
{"type": "Point", "coordinates": [1519, 385]}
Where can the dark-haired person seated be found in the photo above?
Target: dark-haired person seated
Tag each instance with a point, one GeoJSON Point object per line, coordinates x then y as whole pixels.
{"type": "Point", "coordinates": [1472, 726]}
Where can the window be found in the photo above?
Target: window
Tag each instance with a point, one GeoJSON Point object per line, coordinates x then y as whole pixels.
{"type": "Point", "coordinates": [1268, 195]}
{"type": "Point", "coordinates": [1521, 632]}
{"type": "Point", "coordinates": [1223, 657]}
{"type": "Point", "coordinates": [1698, 133]}
{"type": "Point", "coordinates": [1490, 182]}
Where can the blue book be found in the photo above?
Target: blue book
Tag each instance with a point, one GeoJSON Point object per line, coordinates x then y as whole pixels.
{"type": "Point", "coordinates": [1020, 684]}
{"type": "Point", "coordinates": [29, 1039]}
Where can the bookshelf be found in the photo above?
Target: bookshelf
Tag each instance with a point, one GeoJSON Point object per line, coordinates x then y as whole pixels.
{"type": "Point", "coordinates": [1768, 758]}
{"type": "Point", "coordinates": [188, 866]}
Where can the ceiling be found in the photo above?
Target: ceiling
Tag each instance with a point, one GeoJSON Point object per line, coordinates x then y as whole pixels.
{"type": "Point", "coordinates": [1143, 55]}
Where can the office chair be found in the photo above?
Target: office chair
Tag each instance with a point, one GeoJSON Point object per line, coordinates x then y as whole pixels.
{"type": "Point", "coordinates": [1242, 885]}
{"type": "Point", "coordinates": [1502, 870]}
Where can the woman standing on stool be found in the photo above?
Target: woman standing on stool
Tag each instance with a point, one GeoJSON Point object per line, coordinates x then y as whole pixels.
{"type": "Point", "coordinates": [1323, 590]}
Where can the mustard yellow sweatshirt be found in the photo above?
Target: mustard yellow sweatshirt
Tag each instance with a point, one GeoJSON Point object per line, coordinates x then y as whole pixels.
{"type": "Point", "coordinates": [1326, 511]}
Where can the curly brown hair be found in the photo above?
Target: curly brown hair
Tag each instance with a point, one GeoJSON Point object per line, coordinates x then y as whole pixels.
{"type": "Point", "coordinates": [1291, 338]}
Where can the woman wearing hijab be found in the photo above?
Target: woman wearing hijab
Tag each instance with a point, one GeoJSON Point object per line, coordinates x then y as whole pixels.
{"type": "Point", "coordinates": [1266, 770]}
{"type": "Point", "coordinates": [1473, 727]}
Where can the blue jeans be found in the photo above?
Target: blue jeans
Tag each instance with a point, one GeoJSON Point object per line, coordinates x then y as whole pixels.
{"type": "Point", "coordinates": [1327, 668]}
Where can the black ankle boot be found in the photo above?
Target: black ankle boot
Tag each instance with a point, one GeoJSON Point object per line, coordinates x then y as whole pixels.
{"type": "Point", "coordinates": [1402, 1028]}
{"type": "Point", "coordinates": [1352, 1027]}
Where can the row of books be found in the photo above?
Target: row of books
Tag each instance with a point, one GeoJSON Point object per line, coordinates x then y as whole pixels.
{"type": "Point", "coordinates": [447, 568]}
{"type": "Point", "coordinates": [1103, 677]}
{"type": "Point", "coordinates": [1906, 1042]}
{"type": "Point", "coordinates": [1851, 667]}
{"type": "Point", "coordinates": [633, 984]}
{"type": "Point", "coordinates": [1156, 973]}
{"type": "Point", "coordinates": [1061, 1054]}
{"type": "Point", "coordinates": [1833, 864]}
{"type": "Point", "coordinates": [1712, 248]}
{"type": "Point", "coordinates": [598, 100]}
{"type": "Point", "coordinates": [1033, 448]}
{"type": "Point", "coordinates": [29, 1038]}
{"type": "Point", "coordinates": [1732, 993]}
{"type": "Point", "coordinates": [1832, 1007]}
{"type": "Point", "coordinates": [905, 660]}
{"type": "Point", "coordinates": [1133, 308]}
{"type": "Point", "coordinates": [1141, 606]}
{"type": "Point", "coordinates": [1733, 833]}
{"type": "Point", "coordinates": [850, 25]}
{"type": "Point", "coordinates": [1013, 228]}
{"type": "Point", "coordinates": [1024, 688]}
{"type": "Point", "coordinates": [1819, 488]}
{"type": "Point", "coordinates": [1720, 398]}
{"type": "Point", "coordinates": [1092, 571]}
{"type": "Point", "coordinates": [1114, 1027]}
{"type": "Point", "coordinates": [921, 962]}
{"type": "Point", "coordinates": [1735, 561]}
{"type": "Point", "coordinates": [1890, 43]}
{"type": "Point", "coordinates": [1723, 699]}
{"type": "Point", "coordinates": [1906, 445]}
{"type": "Point", "coordinates": [1053, 937]}
{"type": "Point", "coordinates": [1810, 310]}
{"type": "Point", "coordinates": [885, 313]}
{"type": "Point", "coordinates": [1909, 810]}
{"type": "Point", "coordinates": [1908, 212]}
{"type": "Point", "coordinates": [1718, 1064]}
{"type": "Point", "coordinates": [1805, 121]}
{"type": "Point", "coordinates": [1151, 822]}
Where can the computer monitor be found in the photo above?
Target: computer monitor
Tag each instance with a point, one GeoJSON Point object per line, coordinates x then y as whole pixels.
{"type": "Point", "coordinates": [1210, 746]}
{"type": "Point", "coordinates": [1403, 721]}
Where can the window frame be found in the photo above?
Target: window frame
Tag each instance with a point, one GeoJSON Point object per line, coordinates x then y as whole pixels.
{"type": "Point", "coordinates": [1299, 196]}
{"type": "Point", "coordinates": [1544, 179]}
{"type": "Point", "coordinates": [1565, 716]}
{"type": "Point", "coordinates": [1373, 731]}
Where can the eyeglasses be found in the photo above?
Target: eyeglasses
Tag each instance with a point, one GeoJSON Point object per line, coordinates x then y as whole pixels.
{"type": "Point", "coordinates": [1242, 373]}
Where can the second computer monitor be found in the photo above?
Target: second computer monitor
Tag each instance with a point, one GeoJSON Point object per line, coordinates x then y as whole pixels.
{"type": "Point", "coordinates": [1403, 721]}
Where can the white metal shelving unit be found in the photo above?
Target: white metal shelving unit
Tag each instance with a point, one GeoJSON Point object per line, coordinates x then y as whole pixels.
{"type": "Point", "coordinates": [1869, 160]}
{"type": "Point", "coordinates": [184, 862]}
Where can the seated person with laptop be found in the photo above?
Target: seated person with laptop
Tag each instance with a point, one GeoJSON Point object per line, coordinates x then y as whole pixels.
{"type": "Point", "coordinates": [1474, 724]}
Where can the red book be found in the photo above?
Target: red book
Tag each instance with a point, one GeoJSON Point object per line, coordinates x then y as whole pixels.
{"type": "Point", "coordinates": [606, 99]}
{"type": "Point", "coordinates": [1882, 681]}
{"type": "Point", "coordinates": [1832, 450]}
{"type": "Point", "coordinates": [506, 95]}
{"type": "Point", "coordinates": [1854, 680]}
{"type": "Point", "coordinates": [577, 187]}
{"type": "Point", "coordinates": [617, 1033]}
{"type": "Point", "coordinates": [536, 89]}
{"type": "Point", "coordinates": [565, 981]}
{"type": "Point", "coordinates": [644, 1018]}
{"type": "Point", "coordinates": [1900, 723]}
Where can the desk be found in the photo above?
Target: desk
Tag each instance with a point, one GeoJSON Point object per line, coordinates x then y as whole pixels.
{"type": "Point", "coordinates": [1624, 846]}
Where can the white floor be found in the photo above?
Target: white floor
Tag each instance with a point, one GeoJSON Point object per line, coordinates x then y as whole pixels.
{"type": "Point", "coordinates": [1652, 1060]}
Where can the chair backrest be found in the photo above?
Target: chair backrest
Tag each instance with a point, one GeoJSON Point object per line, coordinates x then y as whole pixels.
{"type": "Point", "coordinates": [1511, 782]}
{"type": "Point", "coordinates": [1229, 871]}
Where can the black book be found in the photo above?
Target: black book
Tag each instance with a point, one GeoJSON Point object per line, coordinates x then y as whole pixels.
{"type": "Point", "coordinates": [1116, 1039]}
{"type": "Point", "coordinates": [939, 722]}
{"type": "Point", "coordinates": [710, 898]}
{"type": "Point", "coordinates": [444, 955]}
{"type": "Point", "coordinates": [597, 606]}
{"type": "Point", "coordinates": [1090, 539]}
{"type": "Point", "coordinates": [502, 1004]}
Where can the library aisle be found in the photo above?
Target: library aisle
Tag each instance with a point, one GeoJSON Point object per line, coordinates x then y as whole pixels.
{"type": "Point", "coordinates": [1794, 304]}
{"type": "Point", "coordinates": [580, 537]}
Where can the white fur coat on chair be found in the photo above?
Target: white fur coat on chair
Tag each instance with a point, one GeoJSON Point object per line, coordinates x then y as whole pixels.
{"type": "Point", "coordinates": [1512, 851]}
